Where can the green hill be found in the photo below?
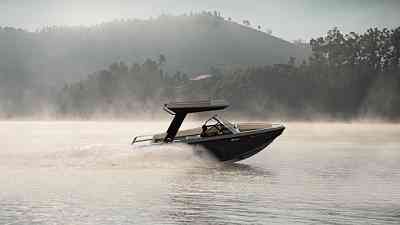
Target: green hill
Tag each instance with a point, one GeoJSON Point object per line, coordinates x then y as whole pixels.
{"type": "Point", "coordinates": [191, 44]}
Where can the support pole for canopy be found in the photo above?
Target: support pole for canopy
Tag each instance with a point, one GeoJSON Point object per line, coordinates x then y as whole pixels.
{"type": "Point", "coordinates": [174, 127]}
{"type": "Point", "coordinates": [181, 109]}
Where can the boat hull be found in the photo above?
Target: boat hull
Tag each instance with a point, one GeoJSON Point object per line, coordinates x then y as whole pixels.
{"type": "Point", "coordinates": [239, 146]}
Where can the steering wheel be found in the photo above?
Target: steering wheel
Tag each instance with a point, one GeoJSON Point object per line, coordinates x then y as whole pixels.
{"type": "Point", "coordinates": [217, 127]}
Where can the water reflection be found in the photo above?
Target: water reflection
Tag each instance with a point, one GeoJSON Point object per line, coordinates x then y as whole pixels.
{"type": "Point", "coordinates": [246, 170]}
{"type": "Point", "coordinates": [218, 195]}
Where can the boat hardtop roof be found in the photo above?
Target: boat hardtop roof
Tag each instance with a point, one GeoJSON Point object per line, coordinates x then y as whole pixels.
{"type": "Point", "coordinates": [181, 109]}
{"type": "Point", "coordinates": [195, 106]}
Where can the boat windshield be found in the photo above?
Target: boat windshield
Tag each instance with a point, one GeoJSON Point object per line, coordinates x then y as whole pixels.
{"type": "Point", "coordinates": [216, 126]}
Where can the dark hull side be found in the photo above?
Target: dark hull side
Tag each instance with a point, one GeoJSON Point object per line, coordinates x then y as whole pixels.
{"type": "Point", "coordinates": [241, 146]}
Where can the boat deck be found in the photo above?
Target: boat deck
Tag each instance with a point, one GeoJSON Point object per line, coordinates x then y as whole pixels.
{"type": "Point", "coordinates": [242, 127]}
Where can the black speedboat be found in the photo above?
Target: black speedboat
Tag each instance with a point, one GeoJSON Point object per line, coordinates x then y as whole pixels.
{"type": "Point", "coordinates": [226, 141]}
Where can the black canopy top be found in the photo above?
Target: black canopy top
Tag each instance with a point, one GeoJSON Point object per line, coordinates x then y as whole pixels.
{"type": "Point", "coordinates": [195, 106]}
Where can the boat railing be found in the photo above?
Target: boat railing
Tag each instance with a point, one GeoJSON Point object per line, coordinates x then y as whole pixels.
{"type": "Point", "coordinates": [168, 110]}
{"type": "Point", "coordinates": [142, 138]}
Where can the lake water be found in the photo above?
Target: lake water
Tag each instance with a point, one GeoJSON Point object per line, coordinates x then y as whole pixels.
{"type": "Point", "coordinates": [87, 173]}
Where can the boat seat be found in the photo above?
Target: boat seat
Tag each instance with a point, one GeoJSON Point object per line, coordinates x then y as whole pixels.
{"type": "Point", "coordinates": [182, 133]}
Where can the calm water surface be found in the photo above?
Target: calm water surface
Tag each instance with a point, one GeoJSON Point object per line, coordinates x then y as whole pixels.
{"type": "Point", "coordinates": [87, 173]}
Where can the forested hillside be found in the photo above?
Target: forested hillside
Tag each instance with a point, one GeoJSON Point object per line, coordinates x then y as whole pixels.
{"type": "Point", "coordinates": [348, 76]}
{"type": "Point", "coordinates": [341, 76]}
{"type": "Point", "coordinates": [193, 43]}
{"type": "Point", "coordinates": [33, 65]}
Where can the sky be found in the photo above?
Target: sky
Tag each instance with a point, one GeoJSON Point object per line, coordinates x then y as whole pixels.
{"type": "Point", "coordinates": [288, 19]}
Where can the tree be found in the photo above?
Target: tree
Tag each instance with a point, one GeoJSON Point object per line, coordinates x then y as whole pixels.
{"type": "Point", "coordinates": [292, 61]}
{"type": "Point", "coordinates": [161, 59]}
{"type": "Point", "coordinates": [395, 42]}
{"type": "Point", "coordinates": [246, 22]}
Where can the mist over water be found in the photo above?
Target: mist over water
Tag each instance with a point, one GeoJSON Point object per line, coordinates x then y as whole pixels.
{"type": "Point", "coordinates": [73, 76]}
{"type": "Point", "coordinates": [87, 173]}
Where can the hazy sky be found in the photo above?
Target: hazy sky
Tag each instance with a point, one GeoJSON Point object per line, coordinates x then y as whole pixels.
{"type": "Point", "coordinates": [288, 19]}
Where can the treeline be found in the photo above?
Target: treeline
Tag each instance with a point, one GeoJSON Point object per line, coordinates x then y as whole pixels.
{"type": "Point", "coordinates": [348, 76]}
{"type": "Point", "coordinates": [120, 91]}
{"type": "Point", "coordinates": [35, 65]}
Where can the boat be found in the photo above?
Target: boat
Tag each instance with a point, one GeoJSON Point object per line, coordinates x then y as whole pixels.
{"type": "Point", "coordinates": [228, 142]}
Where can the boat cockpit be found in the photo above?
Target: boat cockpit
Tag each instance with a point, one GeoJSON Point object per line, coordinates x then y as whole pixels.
{"type": "Point", "coordinates": [216, 126]}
